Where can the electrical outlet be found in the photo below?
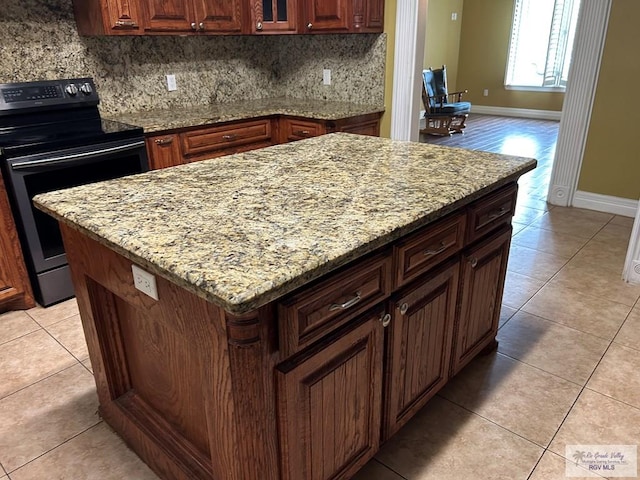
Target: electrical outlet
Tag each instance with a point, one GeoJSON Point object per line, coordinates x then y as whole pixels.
{"type": "Point", "coordinates": [171, 83]}
{"type": "Point", "coordinates": [144, 281]}
{"type": "Point", "coordinates": [326, 76]}
{"type": "Point", "coordinates": [485, 92]}
{"type": "Point", "coordinates": [454, 16]}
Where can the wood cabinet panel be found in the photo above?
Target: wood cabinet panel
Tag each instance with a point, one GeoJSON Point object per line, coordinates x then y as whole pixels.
{"type": "Point", "coordinates": [273, 16]}
{"type": "Point", "coordinates": [107, 17]}
{"type": "Point", "coordinates": [333, 395]}
{"type": "Point", "coordinates": [426, 248]}
{"type": "Point", "coordinates": [368, 15]}
{"type": "Point", "coordinates": [293, 129]}
{"type": "Point", "coordinates": [15, 288]}
{"type": "Point", "coordinates": [320, 16]}
{"type": "Point", "coordinates": [211, 139]}
{"type": "Point", "coordinates": [168, 15]}
{"type": "Point", "coordinates": [197, 16]}
{"type": "Point", "coordinates": [491, 212]}
{"type": "Point", "coordinates": [483, 272]}
{"type": "Point", "coordinates": [163, 151]}
{"type": "Point", "coordinates": [419, 345]}
{"type": "Point", "coordinates": [321, 308]}
{"type": "Point", "coordinates": [219, 16]}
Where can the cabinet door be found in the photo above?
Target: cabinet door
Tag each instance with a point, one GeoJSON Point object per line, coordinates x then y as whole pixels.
{"type": "Point", "coordinates": [326, 16]}
{"type": "Point", "coordinates": [107, 17]}
{"type": "Point", "coordinates": [123, 15]}
{"type": "Point", "coordinates": [483, 272]}
{"type": "Point", "coordinates": [273, 16]}
{"type": "Point", "coordinates": [330, 403]}
{"type": "Point", "coordinates": [218, 16]}
{"type": "Point", "coordinates": [169, 15]}
{"type": "Point", "coordinates": [163, 151]}
{"type": "Point", "coordinates": [368, 16]}
{"type": "Point", "coordinates": [419, 344]}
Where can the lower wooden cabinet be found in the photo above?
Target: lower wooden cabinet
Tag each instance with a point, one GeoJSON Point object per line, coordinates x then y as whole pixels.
{"type": "Point", "coordinates": [483, 272]}
{"type": "Point", "coordinates": [419, 345]}
{"type": "Point", "coordinates": [330, 402]}
{"type": "Point", "coordinates": [163, 151]}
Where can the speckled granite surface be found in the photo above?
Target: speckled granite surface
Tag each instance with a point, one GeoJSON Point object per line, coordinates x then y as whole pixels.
{"type": "Point", "coordinates": [38, 40]}
{"type": "Point", "coordinates": [168, 119]}
{"type": "Point", "coordinates": [245, 229]}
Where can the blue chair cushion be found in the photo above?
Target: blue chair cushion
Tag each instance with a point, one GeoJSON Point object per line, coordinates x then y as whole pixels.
{"type": "Point", "coordinates": [457, 107]}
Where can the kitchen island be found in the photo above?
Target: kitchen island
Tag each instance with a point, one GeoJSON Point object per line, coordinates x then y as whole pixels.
{"type": "Point", "coordinates": [304, 300]}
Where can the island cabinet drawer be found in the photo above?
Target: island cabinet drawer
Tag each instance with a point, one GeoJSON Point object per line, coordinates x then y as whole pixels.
{"type": "Point", "coordinates": [491, 212]}
{"type": "Point", "coordinates": [205, 140]}
{"type": "Point", "coordinates": [297, 129]}
{"type": "Point", "coordinates": [320, 308]}
{"type": "Point", "coordinates": [426, 248]}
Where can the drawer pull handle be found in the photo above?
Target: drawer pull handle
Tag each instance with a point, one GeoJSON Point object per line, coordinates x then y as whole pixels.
{"type": "Point", "coordinates": [302, 133]}
{"type": "Point", "coordinates": [164, 141]}
{"type": "Point", "coordinates": [497, 213]}
{"type": "Point", "coordinates": [404, 308]}
{"type": "Point", "coordinates": [347, 304]}
{"type": "Point", "coordinates": [474, 262]}
{"type": "Point", "coordinates": [228, 138]}
{"type": "Point", "coordinates": [385, 320]}
{"type": "Point", "coordinates": [126, 24]}
{"type": "Point", "coordinates": [441, 248]}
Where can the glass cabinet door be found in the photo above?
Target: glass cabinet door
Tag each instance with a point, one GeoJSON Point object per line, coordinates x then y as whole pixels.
{"type": "Point", "coordinates": [274, 16]}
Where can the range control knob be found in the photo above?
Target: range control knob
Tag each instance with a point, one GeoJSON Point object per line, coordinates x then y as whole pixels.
{"type": "Point", "coordinates": [86, 88]}
{"type": "Point", "coordinates": [71, 89]}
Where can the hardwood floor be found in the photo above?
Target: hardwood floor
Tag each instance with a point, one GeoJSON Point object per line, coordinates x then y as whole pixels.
{"type": "Point", "coordinates": [513, 136]}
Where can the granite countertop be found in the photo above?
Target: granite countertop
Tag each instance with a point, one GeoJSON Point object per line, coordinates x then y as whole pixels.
{"type": "Point", "coordinates": [170, 119]}
{"type": "Point", "coordinates": [245, 229]}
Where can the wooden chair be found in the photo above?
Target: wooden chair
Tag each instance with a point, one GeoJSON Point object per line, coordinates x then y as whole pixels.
{"type": "Point", "coordinates": [445, 113]}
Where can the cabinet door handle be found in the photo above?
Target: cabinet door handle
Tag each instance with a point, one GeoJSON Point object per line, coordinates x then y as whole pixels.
{"type": "Point", "coordinates": [302, 133]}
{"type": "Point", "coordinates": [385, 320]}
{"type": "Point", "coordinates": [404, 308]}
{"type": "Point", "coordinates": [474, 262]}
{"type": "Point", "coordinates": [230, 137]}
{"type": "Point", "coordinates": [164, 141]}
{"type": "Point", "coordinates": [309, 25]}
{"type": "Point", "coordinates": [259, 26]}
{"type": "Point", "coordinates": [126, 24]}
{"type": "Point", "coordinates": [439, 249]}
{"type": "Point", "coordinates": [347, 304]}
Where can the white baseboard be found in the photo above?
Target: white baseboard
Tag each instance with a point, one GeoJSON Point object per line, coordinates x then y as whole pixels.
{"type": "Point", "coordinates": [517, 112]}
{"type": "Point", "coordinates": [605, 203]}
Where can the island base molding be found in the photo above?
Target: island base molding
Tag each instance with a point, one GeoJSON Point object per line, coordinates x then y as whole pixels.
{"type": "Point", "coordinates": [310, 385]}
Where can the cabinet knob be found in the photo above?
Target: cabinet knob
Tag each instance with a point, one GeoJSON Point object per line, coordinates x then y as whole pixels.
{"type": "Point", "coordinates": [404, 308]}
{"type": "Point", "coordinates": [201, 25]}
{"type": "Point", "coordinates": [474, 262]}
{"type": "Point", "coordinates": [194, 26]}
{"type": "Point", "coordinates": [309, 25]}
{"type": "Point", "coordinates": [259, 26]}
{"type": "Point", "coordinates": [385, 320]}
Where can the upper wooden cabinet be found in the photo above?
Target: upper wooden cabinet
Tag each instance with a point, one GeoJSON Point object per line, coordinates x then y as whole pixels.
{"type": "Point", "coordinates": [107, 17]}
{"type": "Point", "coordinates": [180, 17]}
{"type": "Point", "coordinates": [199, 16]}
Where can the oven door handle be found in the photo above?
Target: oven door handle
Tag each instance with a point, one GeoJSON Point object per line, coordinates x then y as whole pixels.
{"type": "Point", "coordinates": [63, 159]}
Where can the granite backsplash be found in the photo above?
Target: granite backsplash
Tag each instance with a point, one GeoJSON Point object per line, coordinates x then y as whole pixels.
{"type": "Point", "coordinates": [39, 40]}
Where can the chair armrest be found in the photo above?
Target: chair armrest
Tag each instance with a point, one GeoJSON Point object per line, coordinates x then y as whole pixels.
{"type": "Point", "coordinates": [458, 94]}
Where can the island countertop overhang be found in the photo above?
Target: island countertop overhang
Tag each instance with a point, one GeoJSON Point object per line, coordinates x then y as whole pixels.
{"type": "Point", "coordinates": [243, 230]}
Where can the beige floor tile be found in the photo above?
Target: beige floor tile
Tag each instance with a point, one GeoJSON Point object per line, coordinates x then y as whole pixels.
{"type": "Point", "coordinates": [615, 236]}
{"type": "Point", "coordinates": [55, 313]}
{"type": "Point", "coordinates": [516, 228]}
{"type": "Point", "coordinates": [617, 375]}
{"type": "Point", "coordinates": [572, 221]}
{"type": "Point", "coordinates": [597, 281]}
{"type": "Point", "coordinates": [554, 348]}
{"type": "Point", "coordinates": [622, 221]}
{"type": "Point", "coordinates": [597, 419]}
{"type": "Point", "coordinates": [553, 467]}
{"type": "Point", "coordinates": [530, 202]}
{"type": "Point", "coordinates": [87, 365]}
{"type": "Point", "coordinates": [446, 442]}
{"type": "Point", "coordinates": [534, 263]}
{"type": "Point", "coordinates": [15, 324]}
{"type": "Point", "coordinates": [374, 470]}
{"type": "Point", "coordinates": [95, 454]}
{"type": "Point", "coordinates": [505, 314]}
{"type": "Point", "coordinates": [70, 334]}
{"type": "Point", "coordinates": [42, 416]}
{"type": "Point", "coordinates": [30, 358]}
{"type": "Point", "coordinates": [586, 313]}
{"type": "Point", "coordinates": [555, 243]}
{"type": "Point", "coordinates": [526, 214]}
{"type": "Point", "coordinates": [519, 397]}
{"type": "Point", "coordinates": [518, 289]}
{"type": "Point", "coordinates": [629, 334]}
{"type": "Point", "coordinates": [602, 255]}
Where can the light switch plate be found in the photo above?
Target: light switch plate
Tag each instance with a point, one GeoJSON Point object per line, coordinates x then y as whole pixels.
{"type": "Point", "coordinates": [326, 76]}
{"type": "Point", "coordinates": [171, 83]}
{"type": "Point", "coordinates": [144, 281]}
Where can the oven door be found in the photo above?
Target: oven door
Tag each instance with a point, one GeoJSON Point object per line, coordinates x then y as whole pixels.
{"type": "Point", "coordinates": [44, 172]}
